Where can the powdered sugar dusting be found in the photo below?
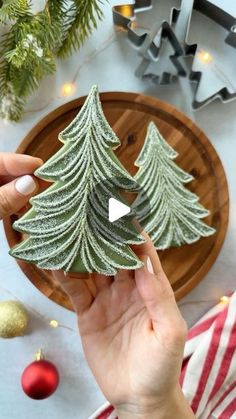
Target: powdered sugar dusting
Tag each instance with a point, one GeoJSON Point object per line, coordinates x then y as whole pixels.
{"type": "Point", "coordinates": [68, 229]}
{"type": "Point", "coordinates": [175, 216]}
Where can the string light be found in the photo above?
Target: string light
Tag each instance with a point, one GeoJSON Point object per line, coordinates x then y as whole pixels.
{"type": "Point", "coordinates": [205, 57]}
{"type": "Point", "coordinates": [54, 323]}
{"type": "Point", "coordinates": [224, 299]}
{"type": "Point", "coordinates": [126, 10]}
{"type": "Point", "coordinates": [68, 89]}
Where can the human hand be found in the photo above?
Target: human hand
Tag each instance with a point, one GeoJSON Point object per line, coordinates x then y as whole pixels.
{"type": "Point", "coordinates": [133, 337]}
{"type": "Point", "coordinates": [16, 184]}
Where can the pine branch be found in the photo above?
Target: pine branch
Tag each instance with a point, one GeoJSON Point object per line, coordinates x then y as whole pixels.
{"type": "Point", "coordinates": [79, 23]}
{"type": "Point", "coordinates": [13, 9]}
{"type": "Point", "coordinates": [57, 11]}
{"type": "Point", "coordinates": [28, 49]}
{"type": "Point", "coordinates": [26, 58]}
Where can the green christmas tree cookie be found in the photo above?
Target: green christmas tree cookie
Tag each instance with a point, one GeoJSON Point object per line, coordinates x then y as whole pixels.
{"type": "Point", "coordinates": [68, 225]}
{"type": "Point", "coordinates": [173, 214]}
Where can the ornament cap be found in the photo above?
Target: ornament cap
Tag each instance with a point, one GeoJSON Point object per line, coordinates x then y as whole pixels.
{"type": "Point", "coordinates": [39, 355]}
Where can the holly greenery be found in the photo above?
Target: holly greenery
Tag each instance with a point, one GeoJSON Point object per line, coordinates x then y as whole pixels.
{"type": "Point", "coordinates": [32, 41]}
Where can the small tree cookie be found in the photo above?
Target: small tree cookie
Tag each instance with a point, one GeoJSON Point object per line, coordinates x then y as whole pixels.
{"type": "Point", "coordinates": [173, 214]}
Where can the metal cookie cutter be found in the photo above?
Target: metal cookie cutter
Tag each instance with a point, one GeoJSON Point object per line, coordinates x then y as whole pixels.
{"type": "Point", "coordinates": [224, 20]}
{"type": "Point", "coordinates": [150, 41]}
{"type": "Point", "coordinates": [125, 16]}
{"type": "Point", "coordinates": [152, 52]}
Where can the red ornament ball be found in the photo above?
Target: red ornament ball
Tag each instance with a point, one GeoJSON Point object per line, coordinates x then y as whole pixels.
{"type": "Point", "coordinates": [40, 379]}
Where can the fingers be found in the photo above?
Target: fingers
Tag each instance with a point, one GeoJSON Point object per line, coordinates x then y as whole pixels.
{"type": "Point", "coordinates": [124, 274]}
{"type": "Point", "coordinates": [148, 249]}
{"type": "Point", "coordinates": [14, 165]}
{"type": "Point", "coordinates": [158, 297]}
{"type": "Point", "coordinates": [88, 278]}
{"type": "Point", "coordinates": [154, 287]}
{"type": "Point", "coordinates": [91, 286]}
{"type": "Point", "coordinates": [15, 195]}
{"type": "Point", "coordinates": [102, 281]}
{"type": "Point", "coordinates": [77, 289]}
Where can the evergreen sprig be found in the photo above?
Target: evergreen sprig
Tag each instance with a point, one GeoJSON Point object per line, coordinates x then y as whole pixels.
{"type": "Point", "coordinates": [12, 9]}
{"type": "Point", "coordinates": [80, 20]}
{"type": "Point", "coordinates": [29, 48]}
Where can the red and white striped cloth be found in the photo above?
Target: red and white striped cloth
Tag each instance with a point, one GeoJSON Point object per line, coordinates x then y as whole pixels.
{"type": "Point", "coordinates": [208, 376]}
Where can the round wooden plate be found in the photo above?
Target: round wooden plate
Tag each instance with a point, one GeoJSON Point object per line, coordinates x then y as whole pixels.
{"type": "Point", "coordinates": [129, 115]}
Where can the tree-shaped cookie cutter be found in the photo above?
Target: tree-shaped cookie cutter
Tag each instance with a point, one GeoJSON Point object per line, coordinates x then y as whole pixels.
{"type": "Point", "coordinates": [228, 22]}
{"type": "Point", "coordinates": [148, 48]}
{"type": "Point", "coordinates": [153, 50]}
{"type": "Point", "coordinates": [124, 15]}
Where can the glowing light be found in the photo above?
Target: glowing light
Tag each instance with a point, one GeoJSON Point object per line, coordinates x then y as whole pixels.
{"type": "Point", "coordinates": [205, 57]}
{"type": "Point", "coordinates": [68, 89]}
{"type": "Point", "coordinates": [126, 10]}
{"type": "Point", "coordinates": [54, 323]}
{"type": "Point", "coordinates": [224, 299]}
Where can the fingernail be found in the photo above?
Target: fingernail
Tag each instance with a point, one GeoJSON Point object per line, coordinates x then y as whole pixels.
{"type": "Point", "coordinates": [40, 161]}
{"type": "Point", "coordinates": [149, 266]}
{"type": "Point", "coordinates": [25, 185]}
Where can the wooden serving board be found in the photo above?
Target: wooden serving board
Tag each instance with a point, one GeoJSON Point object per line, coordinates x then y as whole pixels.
{"type": "Point", "coordinates": [129, 115]}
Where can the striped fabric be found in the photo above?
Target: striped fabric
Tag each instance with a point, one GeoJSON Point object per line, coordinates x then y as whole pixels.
{"type": "Point", "coordinates": [208, 376]}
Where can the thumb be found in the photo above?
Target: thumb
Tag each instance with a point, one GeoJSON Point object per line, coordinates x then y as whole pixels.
{"type": "Point", "coordinates": [14, 195]}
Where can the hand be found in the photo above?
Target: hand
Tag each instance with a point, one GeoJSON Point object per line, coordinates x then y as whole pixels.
{"type": "Point", "coordinates": [16, 184]}
{"type": "Point", "coordinates": [133, 337]}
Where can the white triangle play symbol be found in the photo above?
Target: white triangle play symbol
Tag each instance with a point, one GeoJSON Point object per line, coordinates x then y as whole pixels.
{"type": "Point", "coordinates": [117, 210]}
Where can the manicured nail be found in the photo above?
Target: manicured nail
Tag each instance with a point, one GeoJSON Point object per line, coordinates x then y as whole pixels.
{"type": "Point", "coordinates": [149, 266]}
{"type": "Point", "coordinates": [40, 161]}
{"type": "Point", "coordinates": [25, 185]}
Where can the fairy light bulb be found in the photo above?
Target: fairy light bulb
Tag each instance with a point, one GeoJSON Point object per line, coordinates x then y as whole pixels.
{"type": "Point", "coordinates": [54, 323]}
{"type": "Point", "coordinates": [224, 299]}
{"type": "Point", "coordinates": [68, 89]}
{"type": "Point", "coordinates": [205, 57]}
{"type": "Point", "coordinates": [126, 10]}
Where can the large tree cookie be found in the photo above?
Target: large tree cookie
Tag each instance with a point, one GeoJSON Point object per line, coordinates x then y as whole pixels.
{"type": "Point", "coordinates": [68, 225]}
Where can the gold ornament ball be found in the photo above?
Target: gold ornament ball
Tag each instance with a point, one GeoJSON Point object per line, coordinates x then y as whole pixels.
{"type": "Point", "coordinates": [13, 319]}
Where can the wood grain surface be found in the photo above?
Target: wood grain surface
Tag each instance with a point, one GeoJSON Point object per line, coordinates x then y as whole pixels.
{"type": "Point", "coordinates": [129, 115]}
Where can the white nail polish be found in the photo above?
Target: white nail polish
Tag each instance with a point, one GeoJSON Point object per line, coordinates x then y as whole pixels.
{"type": "Point", "coordinates": [149, 266]}
{"type": "Point", "coordinates": [25, 185]}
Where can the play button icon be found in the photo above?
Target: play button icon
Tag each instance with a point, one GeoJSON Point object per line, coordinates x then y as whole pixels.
{"type": "Point", "coordinates": [111, 210]}
{"type": "Point", "coordinates": [117, 210]}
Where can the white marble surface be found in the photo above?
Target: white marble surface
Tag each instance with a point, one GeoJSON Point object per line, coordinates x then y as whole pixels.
{"type": "Point", "coordinates": [78, 395]}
